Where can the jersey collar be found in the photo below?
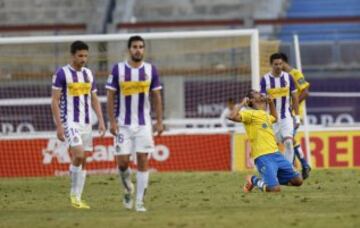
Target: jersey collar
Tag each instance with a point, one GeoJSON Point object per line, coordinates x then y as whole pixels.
{"type": "Point", "coordinates": [127, 64]}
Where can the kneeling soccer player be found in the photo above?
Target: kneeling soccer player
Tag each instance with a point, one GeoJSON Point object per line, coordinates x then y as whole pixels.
{"type": "Point", "coordinates": [274, 169]}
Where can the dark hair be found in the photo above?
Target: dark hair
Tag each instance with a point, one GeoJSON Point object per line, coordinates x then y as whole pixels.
{"type": "Point", "coordinates": [231, 100]}
{"type": "Point", "coordinates": [284, 57]}
{"type": "Point", "coordinates": [275, 56]}
{"type": "Point", "coordinates": [250, 95]}
{"type": "Point", "coordinates": [78, 46]}
{"type": "Point", "coordinates": [133, 39]}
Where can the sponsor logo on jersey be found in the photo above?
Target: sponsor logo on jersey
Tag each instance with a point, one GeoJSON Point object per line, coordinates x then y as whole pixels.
{"type": "Point", "coordinates": [130, 88]}
{"type": "Point", "coordinates": [279, 92]}
{"type": "Point", "coordinates": [79, 88]}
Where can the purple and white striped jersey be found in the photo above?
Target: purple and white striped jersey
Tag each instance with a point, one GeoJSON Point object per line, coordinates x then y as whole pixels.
{"type": "Point", "coordinates": [132, 86]}
{"type": "Point", "coordinates": [280, 88]}
{"type": "Point", "coordinates": [76, 88]}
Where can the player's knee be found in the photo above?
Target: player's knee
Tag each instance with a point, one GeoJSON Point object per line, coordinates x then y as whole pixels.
{"type": "Point", "coordinates": [78, 159]}
{"type": "Point", "coordinates": [289, 146]}
{"type": "Point", "coordinates": [273, 189]}
{"type": "Point", "coordinates": [288, 142]}
{"type": "Point", "coordinates": [142, 159]}
{"type": "Point", "coordinates": [122, 164]}
{"type": "Point", "coordinates": [298, 181]}
{"type": "Point", "coordinates": [83, 164]}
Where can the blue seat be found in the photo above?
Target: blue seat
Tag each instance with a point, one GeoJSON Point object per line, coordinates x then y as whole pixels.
{"type": "Point", "coordinates": [322, 8]}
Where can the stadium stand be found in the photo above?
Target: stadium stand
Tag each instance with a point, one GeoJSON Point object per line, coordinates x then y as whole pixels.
{"type": "Point", "coordinates": [44, 17]}
{"type": "Point", "coordinates": [202, 10]}
{"type": "Point", "coordinates": [157, 10]}
{"type": "Point", "coordinates": [322, 9]}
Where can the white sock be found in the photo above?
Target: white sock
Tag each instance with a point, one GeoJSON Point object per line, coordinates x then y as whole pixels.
{"type": "Point", "coordinates": [289, 150]}
{"type": "Point", "coordinates": [142, 179]}
{"type": "Point", "coordinates": [75, 174]}
{"type": "Point", "coordinates": [125, 179]}
{"type": "Point", "coordinates": [82, 182]}
{"type": "Point", "coordinates": [300, 151]}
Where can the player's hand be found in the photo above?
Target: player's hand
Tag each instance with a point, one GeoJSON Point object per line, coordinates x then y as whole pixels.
{"type": "Point", "coordinates": [159, 128]}
{"type": "Point", "coordinates": [245, 101]}
{"type": "Point", "coordinates": [102, 128]}
{"type": "Point", "coordinates": [114, 128]}
{"type": "Point", "coordinates": [269, 98]}
{"type": "Point", "coordinates": [60, 133]}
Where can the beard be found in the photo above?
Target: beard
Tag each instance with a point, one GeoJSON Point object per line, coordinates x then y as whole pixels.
{"type": "Point", "coordinates": [136, 58]}
{"type": "Point", "coordinates": [277, 71]}
{"type": "Point", "coordinates": [79, 64]}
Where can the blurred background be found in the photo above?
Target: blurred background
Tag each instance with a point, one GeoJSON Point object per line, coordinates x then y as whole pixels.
{"type": "Point", "coordinates": [329, 33]}
{"type": "Point", "coordinates": [206, 160]}
{"type": "Point", "coordinates": [199, 75]}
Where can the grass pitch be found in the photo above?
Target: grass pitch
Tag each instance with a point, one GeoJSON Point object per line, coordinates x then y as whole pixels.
{"type": "Point", "coordinates": [329, 198]}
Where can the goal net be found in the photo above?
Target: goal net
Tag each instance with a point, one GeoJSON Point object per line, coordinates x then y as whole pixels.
{"type": "Point", "coordinates": [199, 71]}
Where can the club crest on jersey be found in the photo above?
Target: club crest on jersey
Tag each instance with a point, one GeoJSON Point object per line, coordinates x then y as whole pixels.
{"type": "Point", "coordinates": [301, 81]}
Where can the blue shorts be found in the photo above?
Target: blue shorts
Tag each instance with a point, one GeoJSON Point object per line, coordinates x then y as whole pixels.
{"type": "Point", "coordinates": [274, 169]}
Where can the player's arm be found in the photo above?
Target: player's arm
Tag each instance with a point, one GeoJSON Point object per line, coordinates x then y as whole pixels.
{"type": "Point", "coordinates": [295, 106]}
{"type": "Point", "coordinates": [97, 108]}
{"type": "Point", "coordinates": [159, 127]}
{"type": "Point", "coordinates": [272, 108]}
{"type": "Point", "coordinates": [55, 108]}
{"type": "Point", "coordinates": [223, 118]}
{"type": "Point", "coordinates": [295, 101]}
{"type": "Point", "coordinates": [304, 94]}
{"type": "Point", "coordinates": [112, 88]}
{"type": "Point", "coordinates": [110, 111]}
{"type": "Point", "coordinates": [302, 85]}
{"type": "Point", "coordinates": [155, 88]}
{"type": "Point", "coordinates": [235, 114]}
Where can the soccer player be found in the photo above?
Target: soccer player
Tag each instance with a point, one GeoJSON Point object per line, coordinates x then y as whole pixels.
{"type": "Point", "coordinates": [302, 87]}
{"type": "Point", "coordinates": [280, 85]}
{"type": "Point", "coordinates": [73, 95]}
{"type": "Point", "coordinates": [128, 88]}
{"type": "Point", "coordinates": [274, 169]}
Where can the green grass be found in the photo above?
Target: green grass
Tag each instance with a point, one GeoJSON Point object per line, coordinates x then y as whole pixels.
{"type": "Point", "coordinates": [330, 198]}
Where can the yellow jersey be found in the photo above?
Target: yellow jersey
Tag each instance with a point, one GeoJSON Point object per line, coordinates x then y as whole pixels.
{"type": "Point", "coordinates": [300, 84]}
{"type": "Point", "coordinates": [258, 126]}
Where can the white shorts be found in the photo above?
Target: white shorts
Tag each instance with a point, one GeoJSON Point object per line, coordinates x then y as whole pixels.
{"type": "Point", "coordinates": [79, 136]}
{"type": "Point", "coordinates": [137, 139]}
{"type": "Point", "coordinates": [284, 128]}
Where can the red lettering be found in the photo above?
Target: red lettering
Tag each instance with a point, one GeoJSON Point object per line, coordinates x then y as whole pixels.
{"type": "Point", "coordinates": [334, 151]}
{"type": "Point", "coordinates": [356, 150]}
{"type": "Point", "coordinates": [316, 152]}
